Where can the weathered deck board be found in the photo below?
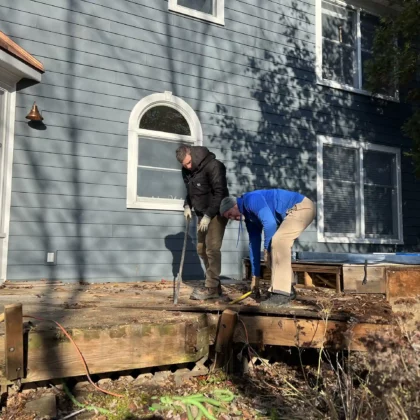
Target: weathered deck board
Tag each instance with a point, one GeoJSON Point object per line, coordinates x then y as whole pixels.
{"type": "Point", "coordinates": [159, 296]}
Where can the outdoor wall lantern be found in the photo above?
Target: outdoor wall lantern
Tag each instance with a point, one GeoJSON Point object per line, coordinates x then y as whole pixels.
{"type": "Point", "coordinates": [34, 114]}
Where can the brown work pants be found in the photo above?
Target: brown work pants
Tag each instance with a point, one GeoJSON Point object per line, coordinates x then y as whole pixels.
{"type": "Point", "coordinates": [298, 218]}
{"type": "Point", "coordinates": [209, 244]}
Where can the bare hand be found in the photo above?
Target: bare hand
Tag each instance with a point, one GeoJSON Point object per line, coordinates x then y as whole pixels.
{"type": "Point", "coordinates": [267, 258]}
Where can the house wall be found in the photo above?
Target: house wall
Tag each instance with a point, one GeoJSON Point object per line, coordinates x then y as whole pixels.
{"type": "Point", "coordinates": [252, 85]}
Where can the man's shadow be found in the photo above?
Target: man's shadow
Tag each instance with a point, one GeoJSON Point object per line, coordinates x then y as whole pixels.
{"type": "Point", "coordinates": [192, 264]}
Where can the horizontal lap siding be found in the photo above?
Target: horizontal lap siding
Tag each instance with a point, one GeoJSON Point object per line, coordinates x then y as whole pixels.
{"type": "Point", "coordinates": [251, 82]}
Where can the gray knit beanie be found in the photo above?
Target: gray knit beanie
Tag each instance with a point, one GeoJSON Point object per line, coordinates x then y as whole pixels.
{"type": "Point", "coordinates": [226, 204]}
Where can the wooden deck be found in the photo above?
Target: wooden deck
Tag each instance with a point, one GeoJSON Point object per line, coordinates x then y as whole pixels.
{"type": "Point", "coordinates": [135, 325]}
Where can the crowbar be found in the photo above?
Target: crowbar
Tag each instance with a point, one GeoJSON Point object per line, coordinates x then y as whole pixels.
{"type": "Point", "coordinates": [178, 279]}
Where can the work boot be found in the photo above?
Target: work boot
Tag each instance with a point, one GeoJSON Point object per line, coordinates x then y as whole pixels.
{"type": "Point", "coordinates": [276, 300]}
{"type": "Point", "coordinates": [205, 293]}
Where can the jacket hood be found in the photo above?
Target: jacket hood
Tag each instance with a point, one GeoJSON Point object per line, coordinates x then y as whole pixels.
{"type": "Point", "coordinates": [200, 156]}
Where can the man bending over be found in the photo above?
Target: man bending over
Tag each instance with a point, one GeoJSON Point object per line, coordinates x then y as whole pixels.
{"type": "Point", "coordinates": [283, 216]}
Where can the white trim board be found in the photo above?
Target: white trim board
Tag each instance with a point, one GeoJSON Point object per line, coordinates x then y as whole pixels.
{"type": "Point", "coordinates": [196, 139]}
{"type": "Point", "coordinates": [218, 17]}
{"type": "Point", "coordinates": [6, 162]}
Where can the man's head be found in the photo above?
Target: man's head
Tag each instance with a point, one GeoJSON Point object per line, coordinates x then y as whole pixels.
{"type": "Point", "coordinates": [183, 154]}
{"type": "Point", "coordinates": [229, 208]}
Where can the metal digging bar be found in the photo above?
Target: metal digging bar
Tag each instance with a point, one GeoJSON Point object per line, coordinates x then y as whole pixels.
{"type": "Point", "coordinates": [181, 266]}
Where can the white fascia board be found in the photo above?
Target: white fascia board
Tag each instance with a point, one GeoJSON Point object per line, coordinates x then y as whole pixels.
{"type": "Point", "coordinates": [17, 69]}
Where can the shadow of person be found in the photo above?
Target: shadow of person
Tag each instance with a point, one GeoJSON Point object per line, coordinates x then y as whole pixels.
{"type": "Point", "coordinates": [193, 269]}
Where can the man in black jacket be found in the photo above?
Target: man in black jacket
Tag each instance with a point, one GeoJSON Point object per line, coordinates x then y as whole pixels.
{"type": "Point", "coordinates": [205, 179]}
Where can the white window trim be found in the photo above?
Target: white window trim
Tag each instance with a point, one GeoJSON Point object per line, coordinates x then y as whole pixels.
{"type": "Point", "coordinates": [218, 18]}
{"type": "Point", "coordinates": [318, 53]}
{"type": "Point", "coordinates": [352, 238]}
{"type": "Point", "coordinates": [196, 138]}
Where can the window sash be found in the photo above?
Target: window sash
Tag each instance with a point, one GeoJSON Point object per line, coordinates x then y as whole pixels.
{"type": "Point", "coordinates": [161, 137]}
{"type": "Point", "coordinates": [218, 15]}
{"type": "Point", "coordinates": [360, 235]}
{"type": "Point", "coordinates": [212, 12]}
{"type": "Point", "coordinates": [357, 77]}
{"type": "Point", "coordinates": [357, 85]}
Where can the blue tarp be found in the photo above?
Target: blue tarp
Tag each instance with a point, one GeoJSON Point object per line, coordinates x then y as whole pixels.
{"type": "Point", "coordinates": [349, 258]}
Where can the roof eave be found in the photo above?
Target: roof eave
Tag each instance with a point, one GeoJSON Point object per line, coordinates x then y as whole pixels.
{"type": "Point", "coordinates": [17, 69]}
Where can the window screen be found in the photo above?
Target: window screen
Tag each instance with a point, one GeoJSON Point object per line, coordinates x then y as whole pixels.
{"type": "Point", "coordinates": [340, 189]}
{"type": "Point", "coordinates": [379, 192]}
{"type": "Point", "coordinates": [360, 190]}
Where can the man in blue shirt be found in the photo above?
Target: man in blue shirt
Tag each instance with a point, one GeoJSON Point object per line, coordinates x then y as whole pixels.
{"type": "Point", "coordinates": [283, 216]}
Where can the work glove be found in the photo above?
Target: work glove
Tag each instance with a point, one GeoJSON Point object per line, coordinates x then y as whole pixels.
{"type": "Point", "coordinates": [267, 258]}
{"type": "Point", "coordinates": [204, 224]}
{"type": "Point", "coordinates": [187, 212]}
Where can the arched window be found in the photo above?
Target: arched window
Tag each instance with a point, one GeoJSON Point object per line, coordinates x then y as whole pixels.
{"type": "Point", "coordinates": [158, 125]}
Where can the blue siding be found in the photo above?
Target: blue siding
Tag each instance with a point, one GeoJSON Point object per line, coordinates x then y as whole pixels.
{"type": "Point", "coordinates": [252, 84]}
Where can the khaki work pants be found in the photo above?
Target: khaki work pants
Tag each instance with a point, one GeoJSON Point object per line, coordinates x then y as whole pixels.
{"type": "Point", "coordinates": [209, 244]}
{"type": "Point", "coordinates": [298, 218]}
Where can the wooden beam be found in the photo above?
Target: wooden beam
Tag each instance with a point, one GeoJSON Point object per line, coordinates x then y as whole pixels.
{"type": "Point", "coordinates": [326, 281]}
{"type": "Point", "coordinates": [13, 342]}
{"type": "Point", "coordinates": [338, 281]}
{"type": "Point", "coordinates": [224, 335]}
{"type": "Point", "coordinates": [115, 348]}
{"type": "Point", "coordinates": [353, 276]}
{"type": "Point", "coordinates": [306, 333]}
{"type": "Point", "coordinates": [316, 268]}
{"type": "Point", "coordinates": [300, 310]}
{"type": "Point", "coordinates": [307, 279]}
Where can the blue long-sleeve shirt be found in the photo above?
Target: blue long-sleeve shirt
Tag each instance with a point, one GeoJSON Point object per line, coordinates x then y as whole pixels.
{"type": "Point", "coordinates": [264, 210]}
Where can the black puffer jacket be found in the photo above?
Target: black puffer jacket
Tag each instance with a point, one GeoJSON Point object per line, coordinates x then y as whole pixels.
{"type": "Point", "coordinates": [206, 182]}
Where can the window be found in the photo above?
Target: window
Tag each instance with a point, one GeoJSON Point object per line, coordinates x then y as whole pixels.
{"type": "Point", "coordinates": [359, 192]}
{"type": "Point", "coordinates": [158, 125]}
{"type": "Point", "coordinates": [344, 38]}
{"type": "Point", "coordinates": [210, 10]}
